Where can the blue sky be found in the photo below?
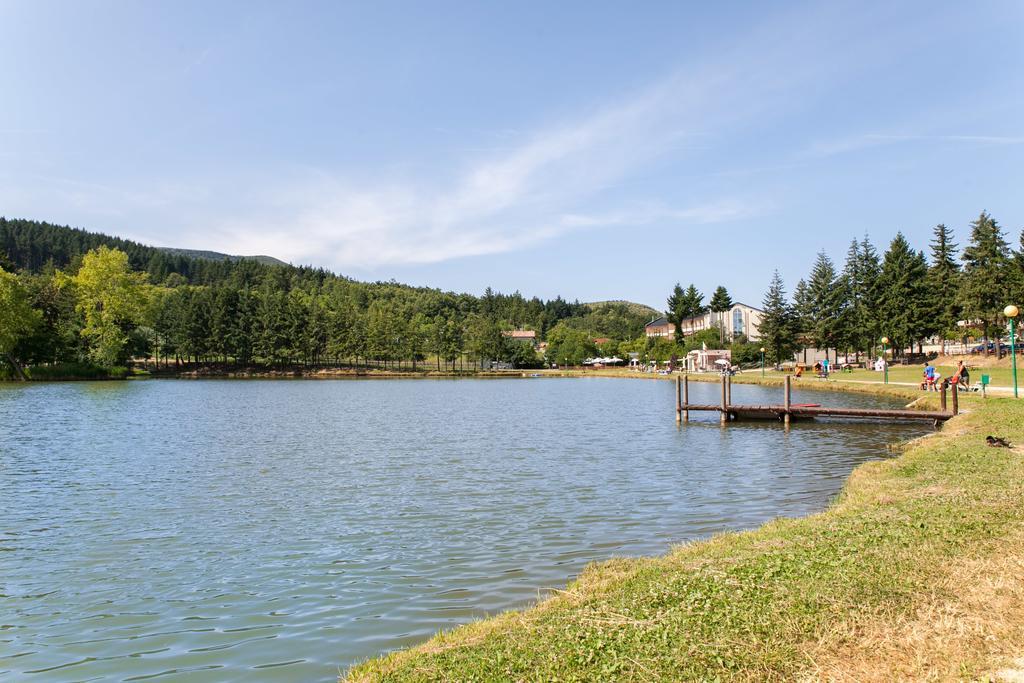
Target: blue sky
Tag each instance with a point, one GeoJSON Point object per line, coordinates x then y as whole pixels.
{"type": "Point", "coordinates": [593, 150]}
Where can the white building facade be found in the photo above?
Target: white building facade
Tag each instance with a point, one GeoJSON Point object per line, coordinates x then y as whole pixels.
{"type": "Point", "coordinates": [740, 320]}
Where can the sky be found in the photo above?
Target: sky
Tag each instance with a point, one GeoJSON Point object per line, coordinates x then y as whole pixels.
{"type": "Point", "coordinates": [593, 150]}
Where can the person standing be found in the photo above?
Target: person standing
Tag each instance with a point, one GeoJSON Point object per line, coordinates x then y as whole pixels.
{"type": "Point", "coordinates": [962, 377]}
{"type": "Point", "coordinates": [929, 376]}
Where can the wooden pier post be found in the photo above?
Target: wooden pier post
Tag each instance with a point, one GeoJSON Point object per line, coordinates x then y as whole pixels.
{"type": "Point", "coordinates": [956, 399]}
{"type": "Point", "coordinates": [679, 401]}
{"type": "Point", "coordinates": [725, 404]}
{"type": "Point", "coordinates": [728, 390]}
{"type": "Point", "coordinates": [942, 397]}
{"type": "Point", "coordinates": [786, 400]}
{"type": "Point", "coordinates": [686, 397]}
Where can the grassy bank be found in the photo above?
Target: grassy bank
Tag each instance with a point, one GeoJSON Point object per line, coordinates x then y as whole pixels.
{"type": "Point", "coordinates": [299, 372]}
{"type": "Point", "coordinates": [914, 573]}
{"type": "Point", "coordinates": [63, 372]}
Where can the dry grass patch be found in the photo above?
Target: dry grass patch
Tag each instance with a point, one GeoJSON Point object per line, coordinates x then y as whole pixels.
{"type": "Point", "coordinates": [971, 618]}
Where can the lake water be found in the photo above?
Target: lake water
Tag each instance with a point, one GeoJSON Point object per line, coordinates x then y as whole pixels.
{"type": "Point", "coordinates": [282, 530]}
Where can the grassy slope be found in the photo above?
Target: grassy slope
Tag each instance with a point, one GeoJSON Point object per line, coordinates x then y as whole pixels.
{"type": "Point", "coordinates": [913, 573]}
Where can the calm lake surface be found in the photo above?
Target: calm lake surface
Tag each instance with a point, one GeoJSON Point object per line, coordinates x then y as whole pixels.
{"type": "Point", "coordinates": [282, 530]}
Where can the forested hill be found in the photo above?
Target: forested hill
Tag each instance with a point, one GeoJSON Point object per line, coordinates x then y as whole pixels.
{"type": "Point", "coordinates": [249, 309]}
{"type": "Point", "coordinates": [217, 256]}
{"type": "Point", "coordinates": [631, 306]}
{"type": "Point", "coordinates": [35, 245]}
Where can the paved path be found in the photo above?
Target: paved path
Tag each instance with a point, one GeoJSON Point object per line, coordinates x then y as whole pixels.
{"type": "Point", "coordinates": [991, 389]}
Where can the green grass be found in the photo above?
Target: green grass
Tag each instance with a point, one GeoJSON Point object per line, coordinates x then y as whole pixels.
{"type": "Point", "coordinates": [846, 588]}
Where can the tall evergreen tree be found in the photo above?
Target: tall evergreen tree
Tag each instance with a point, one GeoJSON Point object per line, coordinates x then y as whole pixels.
{"type": "Point", "coordinates": [827, 301]}
{"type": "Point", "coordinates": [801, 315]}
{"type": "Point", "coordinates": [776, 328]}
{"type": "Point", "coordinates": [720, 304]}
{"type": "Point", "coordinates": [677, 310]}
{"type": "Point", "coordinates": [903, 301]}
{"type": "Point", "coordinates": [693, 305]}
{"type": "Point", "coordinates": [984, 290]}
{"type": "Point", "coordinates": [943, 283]}
{"type": "Point", "coordinates": [1017, 280]}
{"type": "Point", "coordinates": [870, 270]}
{"type": "Point", "coordinates": [860, 273]}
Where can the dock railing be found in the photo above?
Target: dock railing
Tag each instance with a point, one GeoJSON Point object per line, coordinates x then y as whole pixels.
{"type": "Point", "coordinates": [787, 411]}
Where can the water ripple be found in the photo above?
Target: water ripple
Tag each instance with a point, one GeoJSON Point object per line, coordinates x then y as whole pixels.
{"type": "Point", "coordinates": [302, 526]}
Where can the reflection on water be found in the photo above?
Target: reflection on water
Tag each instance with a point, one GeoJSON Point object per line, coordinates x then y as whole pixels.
{"type": "Point", "coordinates": [261, 530]}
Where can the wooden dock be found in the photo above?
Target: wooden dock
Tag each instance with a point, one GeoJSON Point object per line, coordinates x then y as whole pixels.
{"type": "Point", "coordinates": [788, 411]}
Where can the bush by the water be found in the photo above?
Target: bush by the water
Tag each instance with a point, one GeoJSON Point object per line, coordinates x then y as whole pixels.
{"type": "Point", "coordinates": [61, 371]}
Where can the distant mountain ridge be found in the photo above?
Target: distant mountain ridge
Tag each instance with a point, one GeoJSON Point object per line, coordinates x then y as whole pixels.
{"type": "Point", "coordinates": [217, 256]}
{"type": "Point", "coordinates": [632, 306]}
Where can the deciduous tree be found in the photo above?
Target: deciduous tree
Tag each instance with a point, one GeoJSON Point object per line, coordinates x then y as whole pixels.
{"type": "Point", "coordinates": [17, 317]}
{"type": "Point", "coordinates": [113, 300]}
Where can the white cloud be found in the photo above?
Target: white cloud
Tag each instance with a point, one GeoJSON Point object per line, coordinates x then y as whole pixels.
{"type": "Point", "coordinates": [574, 175]}
{"type": "Point", "coordinates": [525, 196]}
{"type": "Point", "coordinates": [858, 142]}
{"type": "Point", "coordinates": [702, 214]}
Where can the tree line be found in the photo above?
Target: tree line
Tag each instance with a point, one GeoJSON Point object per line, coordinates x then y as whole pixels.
{"type": "Point", "coordinates": [901, 295]}
{"type": "Point", "coordinates": [85, 297]}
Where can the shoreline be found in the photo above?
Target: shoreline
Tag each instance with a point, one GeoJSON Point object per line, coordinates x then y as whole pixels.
{"type": "Point", "coordinates": [850, 593]}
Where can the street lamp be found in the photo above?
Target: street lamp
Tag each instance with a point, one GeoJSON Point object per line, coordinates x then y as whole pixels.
{"type": "Point", "coordinates": [1011, 313]}
{"type": "Point", "coordinates": [885, 363]}
{"type": "Point", "coordinates": [762, 362]}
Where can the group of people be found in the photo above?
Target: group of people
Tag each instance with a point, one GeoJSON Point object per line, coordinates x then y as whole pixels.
{"type": "Point", "coordinates": [933, 378]}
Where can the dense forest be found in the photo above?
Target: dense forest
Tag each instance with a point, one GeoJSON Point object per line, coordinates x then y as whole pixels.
{"type": "Point", "coordinates": [70, 296]}
{"type": "Point", "coordinates": [87, 297]}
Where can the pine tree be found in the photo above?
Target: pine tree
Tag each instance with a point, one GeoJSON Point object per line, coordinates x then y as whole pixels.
{"type": "Point", "coordinates": [826, 302]}
{"type": "Point", "coordinates": [776, 328]}
{"type": "Point", "coordinates": [861, 281]}
{"type": "Point", "coordinates": [720, 303]}
{"type": "Point", "coordinates": [677, 310]}
{"type": "Point", "coordinates": [223, 332]}
{"type": "Point", "coordinates": [943, 283]}
{"type": "Point", "coordinates": [903, 302]}
{"type": "Point", "coordinates": [1017, 279]}
{"type": "Point", "coordinates": [985, 287]}
{"type": "Point", "coordinates": [693, 304]}
{"type": "Point", "coordinates": [869, 271]}
{"type": "Point", "coordinates": [801, 313]}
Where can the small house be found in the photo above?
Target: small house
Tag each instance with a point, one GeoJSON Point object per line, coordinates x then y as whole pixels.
{"type": "Point", "coordinates": [526, 336]}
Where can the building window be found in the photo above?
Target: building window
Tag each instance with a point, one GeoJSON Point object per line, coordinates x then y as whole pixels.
{"type": "Point", "coordinates": [737, 322]}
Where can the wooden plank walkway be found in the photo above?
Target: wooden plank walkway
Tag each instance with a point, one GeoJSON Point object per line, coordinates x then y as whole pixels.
{"type": "Point", "coordinates": [787, 411]}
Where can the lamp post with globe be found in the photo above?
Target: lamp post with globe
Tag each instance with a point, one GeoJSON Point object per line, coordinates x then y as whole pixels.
{"type": "Point", "coordinates": [885, 362]}
{"type": "Point", "coordinates": [762, 362]}
{"type": "Point", "coordinates": [1011, 314]}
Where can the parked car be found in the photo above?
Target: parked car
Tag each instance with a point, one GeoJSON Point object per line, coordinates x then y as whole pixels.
{"type": "Point", "coordinates": [989, 348]}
